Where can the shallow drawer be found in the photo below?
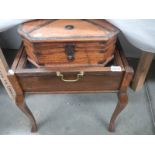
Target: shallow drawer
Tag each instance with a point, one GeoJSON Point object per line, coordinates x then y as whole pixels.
{"type": "Point", "coordinates": [90, 82]}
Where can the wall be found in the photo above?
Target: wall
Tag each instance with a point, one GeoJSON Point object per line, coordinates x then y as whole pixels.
{"type": "Point", "coordinates": [11, 40]}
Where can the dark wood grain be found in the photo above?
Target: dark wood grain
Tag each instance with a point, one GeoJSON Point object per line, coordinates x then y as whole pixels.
{"type": "Point", "coordinates": [84, 30]}
{"type": "Point", "coordinates": [48, 83]}
{"type": "Point", "coordinates": [17, 58]}
{"type": "Point", "coordinates": [143, 67]}
{"type": "Point", "coordinates": [70, 47]}
{"type": "Point", "coordinates": [45, 41]}
{"type": "Point", "coordinates": [96, 79]}
{"type": "Point", "coordinates": [122, 94]}
{"type": "Point", "coordinates": [24, 108]}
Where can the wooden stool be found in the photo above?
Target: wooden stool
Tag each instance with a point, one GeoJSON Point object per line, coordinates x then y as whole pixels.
{"type": "Point", "coordinates": [112, 78]}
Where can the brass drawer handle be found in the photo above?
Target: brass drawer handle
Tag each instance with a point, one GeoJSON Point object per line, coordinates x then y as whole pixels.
{"type": "Point", "coordinates": [79, 76]}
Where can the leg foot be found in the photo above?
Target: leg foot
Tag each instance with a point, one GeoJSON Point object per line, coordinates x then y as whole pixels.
{"type": "Point", "coordinates": [24, 108]}
{"type": "Point", "coordinates": [123, 100]}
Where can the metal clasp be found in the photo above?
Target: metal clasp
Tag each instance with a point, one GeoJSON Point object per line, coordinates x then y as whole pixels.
{"type": "Point", "coordinates": [69, 48]}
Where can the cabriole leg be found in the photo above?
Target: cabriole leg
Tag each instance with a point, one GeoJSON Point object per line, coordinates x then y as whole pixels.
{"type": "Point", "coordinates": [24, 108]}
{"type": "Point", "coordinates": [123, 101]}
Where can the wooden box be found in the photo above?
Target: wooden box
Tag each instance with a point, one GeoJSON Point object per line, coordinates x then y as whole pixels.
{"type": "Point", "coordinates": [69, 41]}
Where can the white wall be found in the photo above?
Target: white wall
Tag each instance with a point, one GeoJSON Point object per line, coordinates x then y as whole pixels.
{"type": "Point", "coordinates": [11, 40]}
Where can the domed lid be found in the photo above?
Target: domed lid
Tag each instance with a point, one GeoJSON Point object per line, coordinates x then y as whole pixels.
{"type": "Point", "coordinates": [67, 30]}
